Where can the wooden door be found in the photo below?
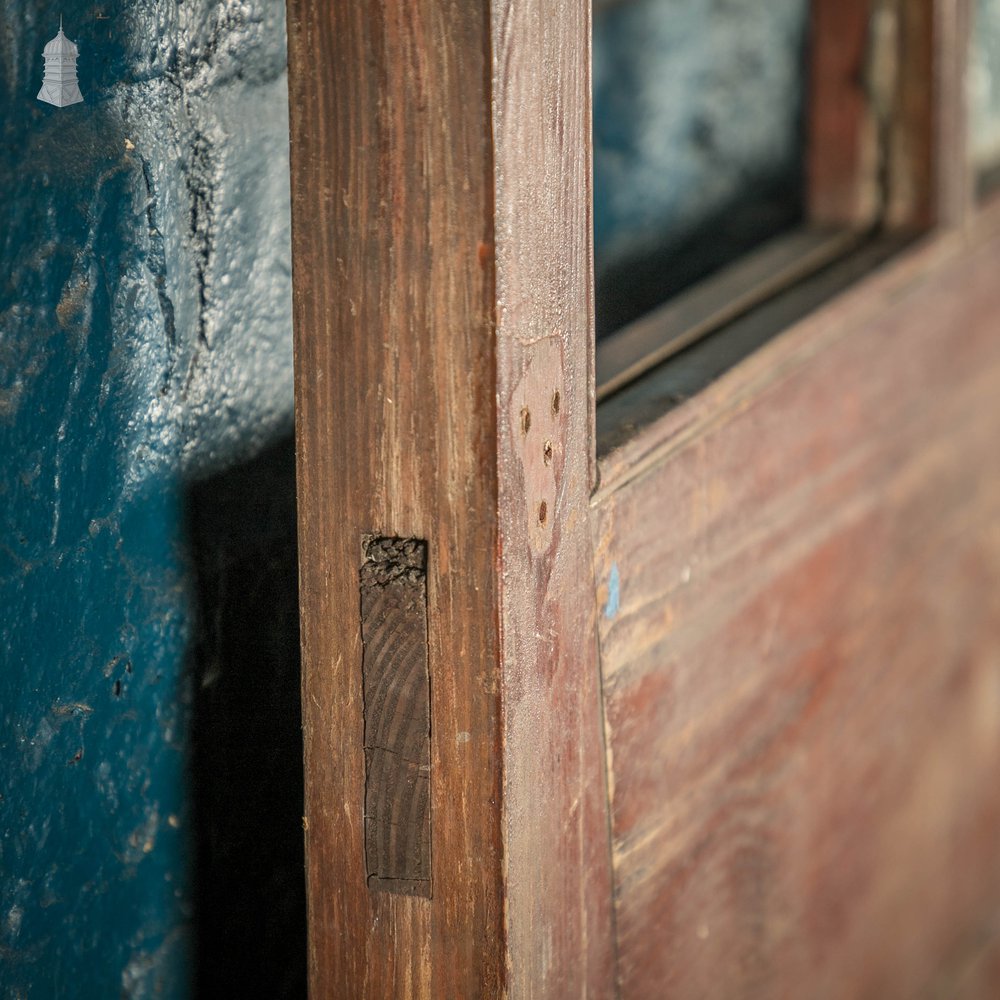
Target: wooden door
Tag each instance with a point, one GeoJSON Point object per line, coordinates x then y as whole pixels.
{"type": "Point", "coordinates": [696, 694]}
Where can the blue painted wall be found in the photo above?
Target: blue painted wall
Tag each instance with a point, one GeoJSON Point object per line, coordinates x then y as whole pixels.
{"type": "Point", "coordinates": [146, 529]}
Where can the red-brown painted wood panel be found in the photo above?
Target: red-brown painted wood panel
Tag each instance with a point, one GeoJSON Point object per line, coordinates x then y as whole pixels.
{"type": "Point", "coordinates": [800, 648]}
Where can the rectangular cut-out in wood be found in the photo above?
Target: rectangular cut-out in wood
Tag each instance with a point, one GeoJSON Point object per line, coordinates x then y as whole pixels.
{"type": "Point", "coordinates": [397, 715]}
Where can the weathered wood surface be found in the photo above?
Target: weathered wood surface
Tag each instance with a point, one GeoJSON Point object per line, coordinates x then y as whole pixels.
{"type": "Point", "coordinates": [651, 399]}
{"type": "Point", "coordinates": [800, 645]}
{"type": "Point", "coordinates": [392, 344]}
{"type": "Point", "coordinates": [444, 337]}
{"type": "Point", "coordinates": [557, 853]}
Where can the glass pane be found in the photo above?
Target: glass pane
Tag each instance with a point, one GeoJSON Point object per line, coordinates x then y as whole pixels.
{"type": "Point", "coordinates": [698, 141]}
{"type": "Point", "coordinates": [984, 78]}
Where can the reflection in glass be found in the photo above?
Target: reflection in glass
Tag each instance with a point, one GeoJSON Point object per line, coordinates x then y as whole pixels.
{"type": "Point", "coordinates": [698, 140]}
{"type": "Point", "coordinates": [984, 82]}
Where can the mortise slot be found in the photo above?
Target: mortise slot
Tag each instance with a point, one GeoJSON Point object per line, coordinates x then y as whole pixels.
{"type": "Point", "coordinates": [396, 687]}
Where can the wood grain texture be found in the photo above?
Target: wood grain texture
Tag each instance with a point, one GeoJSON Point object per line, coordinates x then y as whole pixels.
{"type": "Point", "coordinates": [801, 652]}
{"type": "Point", "coordinates": [396, 690]}
{"type": "Point", "coordinates": [443, 332]}
{"type": "Point", "coordinates": [557, 859]}
{"type": "Point", "coordinates": [392, 198]}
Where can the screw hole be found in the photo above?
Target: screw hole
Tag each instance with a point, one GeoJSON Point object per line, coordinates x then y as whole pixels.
{"type": "Point", "coordinates": [525, 420]}
{"type": "Point", "coordinates": [543, 512]}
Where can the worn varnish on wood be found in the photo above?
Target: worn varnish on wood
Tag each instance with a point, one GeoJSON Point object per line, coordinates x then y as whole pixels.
{"type": "Point", "coordinates": [442, 287]}
{"type": "Point", "coordinates": [397, 715]}
{"type": "Point", "coordinates": [802, 664]}
{"type": "Point", "coordinates": [802, 658]}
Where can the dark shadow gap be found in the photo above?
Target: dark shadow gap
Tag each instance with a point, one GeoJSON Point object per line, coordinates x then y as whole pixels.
{"type": "Point", "coordinates": [246, 741]}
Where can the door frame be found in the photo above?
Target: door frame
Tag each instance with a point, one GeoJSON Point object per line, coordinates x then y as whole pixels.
{"type": "Point", "coordinates": [445, 394]}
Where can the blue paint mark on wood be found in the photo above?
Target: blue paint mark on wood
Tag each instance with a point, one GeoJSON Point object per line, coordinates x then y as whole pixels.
{"type": "Point", "coordinates": [614, 593]}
